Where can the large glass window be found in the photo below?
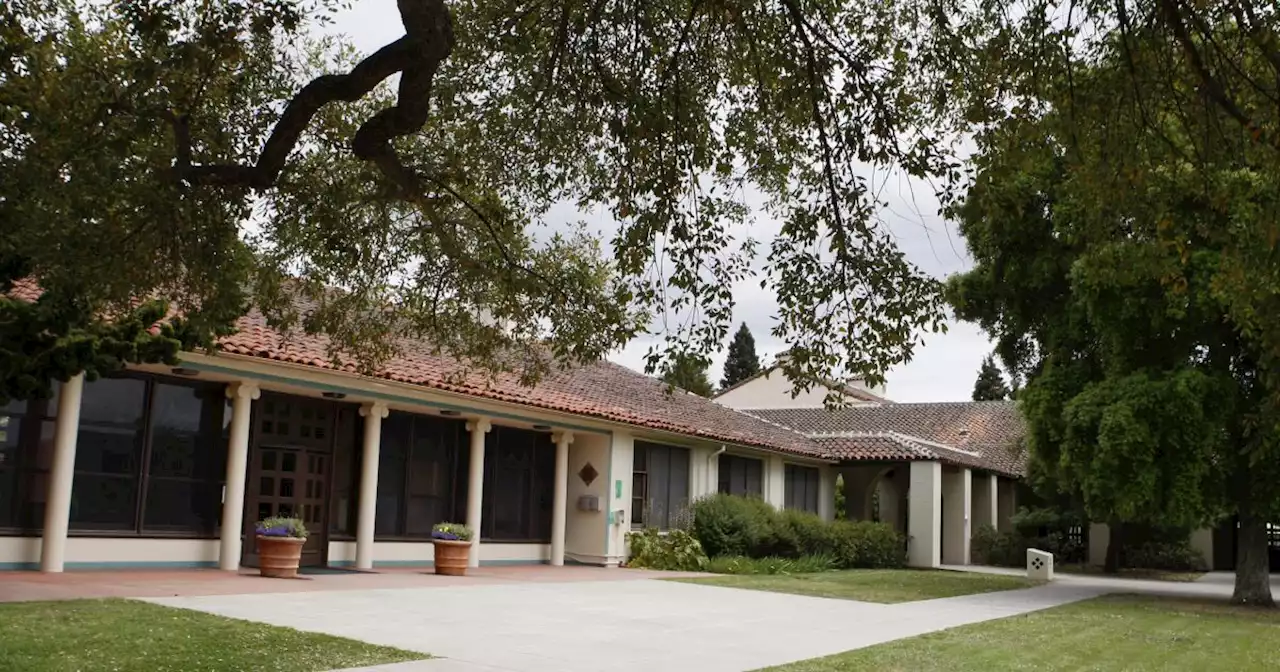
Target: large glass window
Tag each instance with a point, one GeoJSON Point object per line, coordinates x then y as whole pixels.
{"type": "Point", "coordinates": [150, 457]}
{"type": "Point", "coordinates": [741, 476]}
{"type": "Point", "coordinates": [659, 485]}
{"type": "Point", "coordinates": [189, 433]}
{"type": "Point", "coordinates": [417, 474]}
{"type": "Point", "coordinates": [519, 470]}
{"type": "Point", "coordinates": [26, 449]}
{"type": "Point", "coordinates": [801, 488]}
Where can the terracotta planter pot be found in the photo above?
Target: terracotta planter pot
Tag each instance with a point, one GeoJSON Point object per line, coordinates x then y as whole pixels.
{"type": "Point", "coordinates": [452, 557]}
{"type": "Point", "coordinates": [278, 557]}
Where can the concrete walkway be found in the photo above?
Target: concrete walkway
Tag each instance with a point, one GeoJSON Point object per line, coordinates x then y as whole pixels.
{"type": "Point", "coordinates": [1214, 585]}
{"type": "Point", "coordinates": [621, 626]}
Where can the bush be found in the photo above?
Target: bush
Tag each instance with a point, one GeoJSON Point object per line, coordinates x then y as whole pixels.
{"type": "Point", "coordinates": [1173, 556]}
{"type": "Point", "coordinates": [809, 564]}
{"type": "Point", "coordinates": [729, 525]}
{"type": "Point", "coordinates": [798, 534]}
{"type": "Point", "coordinates": [865, 544]}
{"type": "Point", "coordinates": [989, 546]}
{"type": "Point", "coordinates": [676, 550]}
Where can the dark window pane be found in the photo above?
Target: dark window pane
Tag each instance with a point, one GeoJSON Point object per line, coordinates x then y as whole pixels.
{"type": "Point", "coordinates": [113, 401]}
{"type": "Point", "coordinates": [285, 510]}
{"type": "Point", "coordinates": [267, 486]}
{"type": "Point", "coordinates": [282, 429]}
{"type": "Point", "coordinates": [264, 510]}
{"type": "Point", "coordinates": [103, 502]}
{"type": "Point", "coordinates": [191, 506]}
{"type": "Point", "coordinates": [187, 432]}
{"type": "Point", "coordinates": [517, 491]}
{"type": "Point", "coordinates": [286, 487]}
{"type": "Point", "coordinates": [289, 462]}
{"type": "Point", "coordinates": [268, 426]}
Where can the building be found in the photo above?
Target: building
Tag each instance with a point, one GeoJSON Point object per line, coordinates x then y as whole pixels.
{"type": "Point", "coordinates": [962, 456]}
{"type": "Point", "coordinates": [172, 466]}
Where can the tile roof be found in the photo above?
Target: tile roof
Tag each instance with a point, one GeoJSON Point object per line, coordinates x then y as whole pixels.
{"type": "Point", "coordinates": [601, 390]}
{"type": "Point", "coordinates": [982, 434]}
{"type": "Point", "coordinates": [849, 390]}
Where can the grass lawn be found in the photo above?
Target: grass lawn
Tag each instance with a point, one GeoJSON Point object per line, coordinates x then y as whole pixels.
{"type": "Point", "coordinates": [872, 585]}
{"type": "Point", "coordinates": [1148, 574]}
{"type": "Point", "coordinates": [128, 636]}
{"type": "Point", "coordinates": [1116, 632]}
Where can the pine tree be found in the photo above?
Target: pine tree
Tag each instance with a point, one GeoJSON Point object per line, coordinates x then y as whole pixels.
{"type": "Point", "coordinates": [689, 373]}
{"type": "Point", "coordinates": [742, 362]}
{"type": "Point", "coordinates": [990, 385]}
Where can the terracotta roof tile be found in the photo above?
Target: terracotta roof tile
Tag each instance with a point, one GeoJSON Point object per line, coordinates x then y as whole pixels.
{"type": "Point", "coordinates": [602, 390]}
{"type": "Point", "coordinates": [982, 434]}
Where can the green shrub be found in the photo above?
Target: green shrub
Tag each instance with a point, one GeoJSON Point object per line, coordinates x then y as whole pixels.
{"type": "Point", "coordinates": [865, 544]}
{"type": "Point", "coordinates": [729, 525]}
{"type": "Point", "coordinates": [809, 564]}
{"type": "Point", "coordinates": [1175, 556]}
{"type": "Point", "coordinates": [676, 550]}
{"type": "Point", "coordinates": [799, 534]}
{"type": "Point", "coordinates": [989, 546]}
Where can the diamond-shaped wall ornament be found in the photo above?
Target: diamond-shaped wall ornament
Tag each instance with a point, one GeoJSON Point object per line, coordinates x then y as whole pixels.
{"type": "Point", "coordinates": [588, 473]}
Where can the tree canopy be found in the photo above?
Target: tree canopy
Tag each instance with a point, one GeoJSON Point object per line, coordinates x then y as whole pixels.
{"type": "Point", "coordinates": [689, 372]}
{"type": "Point", "coordinates": [1111, 220]}
{"type": "Point", "coordinates": [214, 155]}
{"type": "Point", "coordinates": [742, 361]}
{"type": "Point", "coordinates": [990, 385]}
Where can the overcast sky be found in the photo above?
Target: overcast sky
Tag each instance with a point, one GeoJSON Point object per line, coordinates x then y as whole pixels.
{"type": "Point", "coordinates": [943, 369]}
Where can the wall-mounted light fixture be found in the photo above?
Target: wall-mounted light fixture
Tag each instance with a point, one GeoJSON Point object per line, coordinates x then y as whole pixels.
{"type": "Point", "coordinates": [180, 371]}
{"type": "Point", "coordinates": [334, 395]}
{"type": "Point", "coordinates": [542, 428]}
{"type": "Point", "coordinates": [450, 412]}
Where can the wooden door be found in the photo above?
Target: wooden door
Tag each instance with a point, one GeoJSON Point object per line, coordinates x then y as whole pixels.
{"type": "Point", "coordinates": [290, 464]}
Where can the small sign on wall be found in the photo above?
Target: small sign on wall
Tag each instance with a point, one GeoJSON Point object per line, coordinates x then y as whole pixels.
{"type": "Point", "coordinates": [617, 488]}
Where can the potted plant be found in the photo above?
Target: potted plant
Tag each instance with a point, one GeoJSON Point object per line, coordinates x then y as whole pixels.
{"type": "Point", "coordinates": [280, 543]}
{"type": "Point", "coordinates": [453, 548]}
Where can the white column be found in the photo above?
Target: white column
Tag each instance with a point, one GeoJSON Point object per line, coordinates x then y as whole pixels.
{"type": "Point", "coordinates": [373, 414]}
{"type": "Point", "coordinates": [775, 481]}
{"type": "Point", "coordinates": [827, 492]}
{"type": "Point", "coordinates": [924, 500]}
{"type": "Point", "coordinates": [957, 506]}
{"type": "Point", "coordinates": [559, 503]}
{"type": "Point", "coordinates": [475, 484]}
{"type": "Point", "coordinates": [985, 501]}
{"type": "Point", "coordinates": [241, 396]}
{"type": "Point", "coordinates": [57, 511]}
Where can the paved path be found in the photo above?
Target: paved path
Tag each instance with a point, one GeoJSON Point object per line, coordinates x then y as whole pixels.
{"type": "Point", "coordinates": [621, 626]}
{"type": "Point", "coordinates": [1211, 585]}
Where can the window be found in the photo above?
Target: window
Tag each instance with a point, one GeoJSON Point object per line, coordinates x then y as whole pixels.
{"type": "Point", "coordinates": [801, 488]}
{"type": "Point", "coordinates": [741, 476]}
{"type": "Point", "coordinates": [659, 485]}
{"type": "Point", "coordinates": [104, 493]}
{"type": "Point", "coordinates": [519, 470]}
{"type": "Point", "coordinates": [26, 452]}
{"type": "Point", "coordinates": [189, 433]}
{"type": "Point", "coordinates": [416, 474]}
{"type": "Point", "coordinates": [150, 457]}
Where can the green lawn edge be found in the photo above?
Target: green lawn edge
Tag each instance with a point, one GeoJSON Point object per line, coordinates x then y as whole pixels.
{"type": "Point", "coordinates": [884, 586]}
{"type": "Point", "coordinates": [1113, 632]}
{"type": "Point", "coordinates": [119, 635]}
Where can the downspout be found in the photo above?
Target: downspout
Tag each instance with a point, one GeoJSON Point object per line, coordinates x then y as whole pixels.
{"type": "Point", "coordinates": [712, 486]}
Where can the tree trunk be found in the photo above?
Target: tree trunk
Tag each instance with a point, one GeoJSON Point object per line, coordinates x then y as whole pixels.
{"type": "Point", "coordinates": [1253, 567]}
{"type": "Point", "coordinates": [1115, 547]}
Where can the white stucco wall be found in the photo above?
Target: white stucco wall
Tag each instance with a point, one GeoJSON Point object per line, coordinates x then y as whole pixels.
{"type": "Point", "coordinates": [957, 505]}
{"type": "Point", "coordinates": [704, 472]}
{"type": "Point", "coordinates": [773, 390]}
{"type": "Point", "coordinates": [827, 492]}
{"type": "Point", "coordinates": [775, 481]}
{"type": "Point", "coordinates": [391, 553]}
{"type": "Point", "coordinates": [585, 532]}
{"type": "Point", "coordinates": [100, 552]}
{"type": "Point", "coordinates": [618, 508]}
{"type": "Point", "coordinates": [924, 497]}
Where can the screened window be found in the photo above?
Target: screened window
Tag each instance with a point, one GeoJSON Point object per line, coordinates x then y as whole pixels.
{"type": "Point", "coordinates": [104, 494]}
{"type": "Point", "coordinates": [519, 470]}
{"type": "Point", "coordinates": [742, 476]}
{"type": "Point", "coordinates": [801, 488]}
{"type": "Point", "coordinates": [659, 485]}
{"type": "Point", "coordinates": [189, 432]}
{"type": "Point", "coordinates": [417, 474]}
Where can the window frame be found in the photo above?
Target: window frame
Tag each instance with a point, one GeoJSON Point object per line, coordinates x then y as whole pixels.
{"type": "Point", "coordinates": [670, 454]}
{"type": "Point", "coordinates": [808, 476]}
{"type": "Point", "coordinates": [451, 499]}
{"type": "Point", "coordinates": [140, 474]}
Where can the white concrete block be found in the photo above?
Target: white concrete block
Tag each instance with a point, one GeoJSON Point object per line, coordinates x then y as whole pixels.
{"type": "Point", "coordinates": [1039, 565]}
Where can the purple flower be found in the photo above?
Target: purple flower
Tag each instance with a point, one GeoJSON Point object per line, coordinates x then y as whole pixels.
{"type": "Point", "coordinates": [449, 536]}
